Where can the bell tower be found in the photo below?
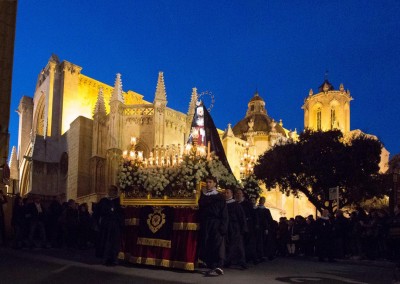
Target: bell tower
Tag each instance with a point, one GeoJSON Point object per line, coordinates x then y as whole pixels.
{"type": "Point", "coordinates": [328, 109]}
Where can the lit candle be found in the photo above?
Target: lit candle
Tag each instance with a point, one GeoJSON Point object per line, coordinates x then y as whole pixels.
{"type": "Point", "coordinates": [188, 147]}
{"type": "Point", "coordinates": [151, 159]}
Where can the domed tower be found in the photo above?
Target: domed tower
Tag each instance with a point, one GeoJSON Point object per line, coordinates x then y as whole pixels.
{"type": "Point", "coordinates": [257, 128]}
{"type": "Point", "coordinates": [328, 109]}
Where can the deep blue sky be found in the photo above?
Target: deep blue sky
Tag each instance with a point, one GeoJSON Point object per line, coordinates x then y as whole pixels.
{"type": "Point", "coordinates": [228, 47]}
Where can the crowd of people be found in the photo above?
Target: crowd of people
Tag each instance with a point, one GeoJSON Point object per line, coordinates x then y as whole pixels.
{"type": "Point", "coordinates": [55, 225]}
{"type": "Point", "coordinates": [69, 225]}
{"type": "Point", "coordinates": [234, 231]}
{"type": "Point", "coordinates": [375, 235]}
{"type": "Point", "coordinates": [242, 232]}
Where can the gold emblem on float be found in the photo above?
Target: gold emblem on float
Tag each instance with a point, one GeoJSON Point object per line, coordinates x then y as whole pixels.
{"type": "Point", "coordinates": [156, 219]}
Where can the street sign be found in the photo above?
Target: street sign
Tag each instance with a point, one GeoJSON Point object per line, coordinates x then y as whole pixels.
{"type": "Point", "coordinates": [334, 194]}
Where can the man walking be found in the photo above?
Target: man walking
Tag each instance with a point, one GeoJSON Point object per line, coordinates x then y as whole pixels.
{"type": "Point", "coordinates": [214, 219]}
{"type": "Point", "coordinates": [236, 228]}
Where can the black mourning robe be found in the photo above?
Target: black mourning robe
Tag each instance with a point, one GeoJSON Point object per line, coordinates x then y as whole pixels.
{"type": "Point", "coordinates": [236, 228]}
{"type": "Point", "coordinates": [324, 234]}
{"type": "Point", "coordinates": [111, 219]}
{"type": "Point", "coordinates": [213, 217]}
{"type": "Point", "coordinates": [252, 226]}
{"type": "Point", "coordinates": [263, 230]}
{"type": "Point", "coordinates": [212, 136]}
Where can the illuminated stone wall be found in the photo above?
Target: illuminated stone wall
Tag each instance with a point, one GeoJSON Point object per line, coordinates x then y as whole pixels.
{"type": "Point", "coordinates": [61, 120]}
{"type": "Point", "coordinates": [334, 108]}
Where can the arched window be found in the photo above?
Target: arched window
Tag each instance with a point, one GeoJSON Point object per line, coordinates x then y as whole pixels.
{"type": "Point", "coordinates": [319, 122]}
{"type": "Point", "coordinates": [40, 119]}
{"type": "Point", "coordinates": [333, 118]}
{"type": "Point", "coordinates": [39, 126]}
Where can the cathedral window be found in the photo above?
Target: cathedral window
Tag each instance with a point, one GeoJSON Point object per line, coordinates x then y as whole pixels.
{"type": "Point", "coordinates": [252, 107]}
{"type": "Point", "coordinates": [333, 118]}
{"type": "Point", "coordinates": [319, 119]}
{"type": "Point", "coordinates": [40, 119]}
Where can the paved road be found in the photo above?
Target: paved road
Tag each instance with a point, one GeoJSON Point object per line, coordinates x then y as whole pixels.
{"type": "Point", "coordinates": [63, 266]}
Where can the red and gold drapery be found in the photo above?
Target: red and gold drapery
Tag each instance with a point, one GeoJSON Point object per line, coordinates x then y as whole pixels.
{"type": "Point", "coordinates": [179, 253]}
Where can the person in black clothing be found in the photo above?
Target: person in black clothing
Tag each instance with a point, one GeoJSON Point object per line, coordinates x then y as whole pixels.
{"type": "Point", "coordinates": [300, 224]}
{"type": "Point", "coordinates": [54, 228]}
{"type": "Point", "coordinates": [37, 223]}
{"type": "Point", "coordinates": [293, 237]}
{"type": "Point", "coordinates": [3, 200]}
{"type": "Point", "coordinates": [111, 221]}
{"type": "Point", "coordinates": [265, 245]}
{"type": "Point", "coordinates": [236, 228]}
{"type": "Point", "coordinates": [84, 226]}
{"type": "Point", "coordinates": [282, 236]}
{"type": "Point", "coordinates": [71, 224]}
{"type": "Point", "coordinates": [393, 240]}
{"type": "Point", "coordinates": [324, 234]}
{"type": "Point", "coordinates": [309, 236]}
{"type": "Point", "coordinates": [340, 231]}
{"type": "Point", "coordinates": [17, 222]}
{"type": "Point", "coordinates": [214, 218]}
{"type": "Point", "coordinates": [27, 201]}
{"type": "Point", "coordinates": [252, 225]}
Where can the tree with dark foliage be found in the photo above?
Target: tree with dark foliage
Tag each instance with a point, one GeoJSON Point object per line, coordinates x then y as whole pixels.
{"type": "Point", "coordinates": [323, 160]}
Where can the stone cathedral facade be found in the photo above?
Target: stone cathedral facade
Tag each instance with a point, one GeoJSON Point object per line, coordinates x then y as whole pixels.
{"type": "Point", "coordinates": [73, 131]}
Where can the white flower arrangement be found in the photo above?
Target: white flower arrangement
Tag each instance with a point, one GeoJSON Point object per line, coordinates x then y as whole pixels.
{"type": "Point", "coordinates": [251, 187]}
{"type": "Point", "coordinates": [182, 178]}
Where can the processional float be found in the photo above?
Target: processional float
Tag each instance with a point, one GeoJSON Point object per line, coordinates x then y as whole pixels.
{"type": "Point", "coordinates": [160, 194]}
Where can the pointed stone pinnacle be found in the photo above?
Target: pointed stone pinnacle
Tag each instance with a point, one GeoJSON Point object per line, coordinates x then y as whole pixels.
{"type": "Point", "coordinates": [161, 94]}
{"type": "Point", "coordinates": [100, 107]}
{"type": "Point", "coordinates": [117, 92]}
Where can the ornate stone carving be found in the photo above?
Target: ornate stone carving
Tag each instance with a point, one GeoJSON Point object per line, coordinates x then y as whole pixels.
{"type": "Point", "coordinates": [273, 125]}
{"type": "Point", "coordinates": [148, 111]}
{"type": "Point", "coordinates": [161, 109]}
{"type": "Point", "coordinates": [139, 120]}
{"type": "Point", "coordinates": [250, 124]}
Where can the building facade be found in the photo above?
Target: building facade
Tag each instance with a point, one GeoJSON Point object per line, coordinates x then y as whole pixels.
{"type": "Point", "coordinates": [74, 129]}
{"type": "Point", "coordinates": [73, 132]}
{"type": "Point", "coordinates": [330, 109]}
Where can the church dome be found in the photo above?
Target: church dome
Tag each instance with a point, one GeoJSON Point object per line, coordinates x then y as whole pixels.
{"type": "Point", "coordinates": [261, 123]}
{"type": "Point", "coordinates": [256, 120]}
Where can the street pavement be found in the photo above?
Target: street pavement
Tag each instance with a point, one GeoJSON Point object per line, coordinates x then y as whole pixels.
{"type": "Point", "coordinates": [80, 266]}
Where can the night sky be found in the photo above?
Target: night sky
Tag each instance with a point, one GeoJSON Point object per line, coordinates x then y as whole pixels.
{"type": "Point", "coordinates": [231, 48]}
